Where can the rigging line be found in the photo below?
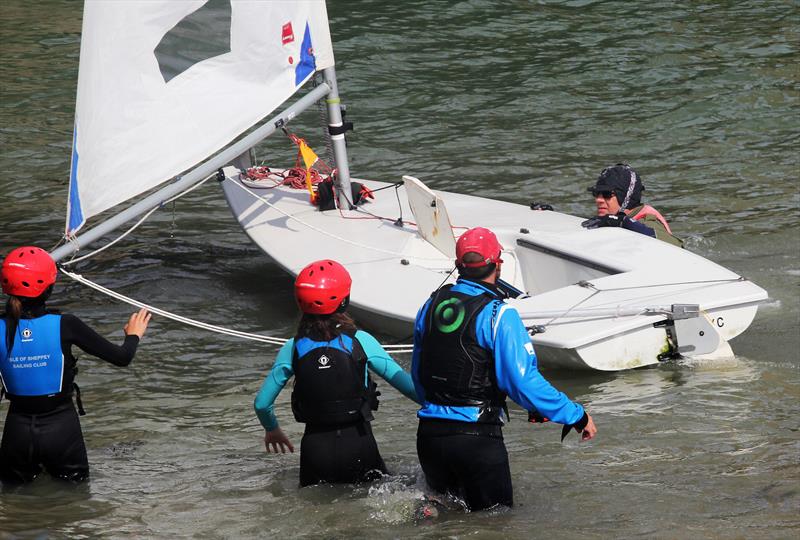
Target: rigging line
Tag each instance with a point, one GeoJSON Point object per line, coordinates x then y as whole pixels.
{"type": "Point", "coordinates": [397, 186]}
{"type": "Point", "coordinates": [370, 215]}
{"type": "Point", "coordinates": [597, 291]}
{"type": "Point", "coordinates": [191, 322]}
{"type": "Point", "coordinates": [655, 295]}
{"type": "Point", "coordinates": [323, 115]}
{"type": "Point", "coordinates": [717, 281]}
{"type": "Point", "coordinates": [659, 295]}
{"type": "Point", "coordinates": [135, 225]}
{"type": "Point", "coordinates": [395, 348]}
{"type": "Point", "coordinates": [356, 208]}
{"type": "Point", "coordinates": [326, 233]}
{"type": "Point", "coordinates": [398, 350]}
{"type": "Point", "coordinates": [594, 318]}
{"type": "Point", "coordinates": [394, 185]}
{"type": "Point", "coordinates": [117, 239]}
{"type": "Point", "coordinates": [60, 241]}
{"type": "Point", "coordinates": [622, 305]}
{"type": "Point", "coordinates": [399, 205]}
{"type": "Point", "coordinates": [561, 315]}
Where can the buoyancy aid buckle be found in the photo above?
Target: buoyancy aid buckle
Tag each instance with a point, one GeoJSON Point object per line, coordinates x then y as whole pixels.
{"type": "Point", "coordinates": [372, 394]}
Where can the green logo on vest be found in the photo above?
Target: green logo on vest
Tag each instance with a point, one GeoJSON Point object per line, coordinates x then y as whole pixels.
{"type": "Point", "coordinates": [449, 315]}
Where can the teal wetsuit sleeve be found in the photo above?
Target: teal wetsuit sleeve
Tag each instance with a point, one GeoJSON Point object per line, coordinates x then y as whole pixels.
{"type": "Point", "coordinates": [381, 363]}
{"type": "Point", "coordinates": [276, 379]}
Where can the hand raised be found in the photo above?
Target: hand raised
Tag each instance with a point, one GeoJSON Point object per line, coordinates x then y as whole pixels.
{"type": "Point", "coordinates": [137, 324]}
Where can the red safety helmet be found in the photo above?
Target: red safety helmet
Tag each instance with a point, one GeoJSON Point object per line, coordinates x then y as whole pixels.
{"type": "Point", "coordinates": [28, 271]}
{"type": "Point", "coordinates": [322, 287]}
{"type": "Point", "coordinates": [481, 241]}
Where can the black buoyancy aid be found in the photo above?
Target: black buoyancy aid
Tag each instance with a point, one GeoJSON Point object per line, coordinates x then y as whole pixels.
{"type": "Point", "coordinates": [454, 369]}
{"type": "Point", "coordinates": [329, 386]}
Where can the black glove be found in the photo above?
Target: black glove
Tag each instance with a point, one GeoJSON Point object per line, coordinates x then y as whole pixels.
{"type": "Point", "coordinates": [577, 426]}
{"type": "Point", "coordinates": [540, 206]}
{"type": "Point", "coordinates": [609, 220]}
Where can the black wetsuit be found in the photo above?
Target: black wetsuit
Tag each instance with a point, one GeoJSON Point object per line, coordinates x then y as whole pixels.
{"type": "Point", "coordinates": [345, 454]}
{"type": "Point", "coordinates": [43, 432]}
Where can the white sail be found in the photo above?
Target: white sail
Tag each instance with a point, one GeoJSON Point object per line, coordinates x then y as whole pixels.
{"type": "Point", "coordinates": [139, 122]}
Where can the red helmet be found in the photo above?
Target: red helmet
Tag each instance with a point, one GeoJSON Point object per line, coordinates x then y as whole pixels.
{"type": "Point", "coordinates": [322, 287]}
{"type": "Point", "coordinates": [28, 271]}
{"type": "Point", "coordinates": [481, 241]}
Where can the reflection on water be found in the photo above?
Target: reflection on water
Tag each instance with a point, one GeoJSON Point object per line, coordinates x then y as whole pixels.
{"type": "Point", "coordinates": [518, 102]}
{"type": "Point", "coordinates": [655, 389]}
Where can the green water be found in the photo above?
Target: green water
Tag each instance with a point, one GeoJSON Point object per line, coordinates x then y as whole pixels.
{"type": "Point", "coordinates": [513, 100]}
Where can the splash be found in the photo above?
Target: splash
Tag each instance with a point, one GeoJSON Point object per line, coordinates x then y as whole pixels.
{"type": "Point", "coordinates": [404, 498]}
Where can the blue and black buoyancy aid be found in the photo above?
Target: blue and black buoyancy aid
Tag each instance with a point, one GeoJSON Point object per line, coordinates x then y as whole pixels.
{"type": "Point", "coordinates": [35, 364]}
{"type": "Point", "coordinates": [332, 385]}
{"type": "Point", "coordinates": [454, 369]}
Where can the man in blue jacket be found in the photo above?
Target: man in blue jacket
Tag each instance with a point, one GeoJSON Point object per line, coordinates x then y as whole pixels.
{"type": "Point", "coordinates": [471, 350]}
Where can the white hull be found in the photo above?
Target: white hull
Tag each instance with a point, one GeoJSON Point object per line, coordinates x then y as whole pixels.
{"type": "Point", "coordinates": [548, 253]}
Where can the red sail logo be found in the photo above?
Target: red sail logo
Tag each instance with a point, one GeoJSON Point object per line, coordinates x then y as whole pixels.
{"type": "Point", "coordinates": [287, 34]}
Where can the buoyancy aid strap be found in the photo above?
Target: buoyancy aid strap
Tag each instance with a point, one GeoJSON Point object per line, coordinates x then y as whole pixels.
{"type": "Point", "coordinates": [371, 393]}
{"type": "Point", "coordinates": [78, 399]}
{"type": "Point", "coordinates": [435, 427]}
{"type": "Point", "coordinates": [648, 210]}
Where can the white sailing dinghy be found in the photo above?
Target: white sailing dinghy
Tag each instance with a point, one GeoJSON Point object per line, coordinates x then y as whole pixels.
{"type": "Point", "coordinates": [603, 299]}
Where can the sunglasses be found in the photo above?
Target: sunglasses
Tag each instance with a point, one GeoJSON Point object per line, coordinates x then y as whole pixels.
{"type": "Point", "coordinates": [602, 193]}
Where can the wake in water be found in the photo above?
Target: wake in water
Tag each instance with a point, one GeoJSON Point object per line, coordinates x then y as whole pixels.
{"type": "Point", "coordinates": [404, 498]}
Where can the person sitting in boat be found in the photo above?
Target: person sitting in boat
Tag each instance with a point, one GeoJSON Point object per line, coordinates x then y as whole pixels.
{"type": "Point", "coordinates": [42, 430]}
{"type": "Point", "coordinates": [618, 194]}
{"type": "Point", "coordinates": [471, 350]}
{"type": "Point", "coordinates": [333, 395]}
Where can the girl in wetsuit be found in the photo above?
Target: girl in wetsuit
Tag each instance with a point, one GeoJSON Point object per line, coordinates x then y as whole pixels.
{"type": "Point", "coordinates": [333, 393]}
{"type": "Point", "coordinates": [42, 430]}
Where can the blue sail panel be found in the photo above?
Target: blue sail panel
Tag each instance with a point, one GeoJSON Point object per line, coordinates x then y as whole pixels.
{"type": "Point", "coordinates": [75, 218]}
{"type": "Point", "coordinates": [308, 63]}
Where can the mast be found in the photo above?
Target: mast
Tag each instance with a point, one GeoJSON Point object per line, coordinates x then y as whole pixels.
{"type": "Point", "coordinates": [202, 172]}
{"type": "Point", "coordinates": [336, 131]}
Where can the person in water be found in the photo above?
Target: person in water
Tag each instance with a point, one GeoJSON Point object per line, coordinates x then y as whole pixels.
{"type": "Point", "coordinates": [471, 350]}
{"type": "Point", "coordinates": [42, 430]}
{"type": "Point", "coordinates": [333, 395]}
{"type": "Point", "coordinates": [617, 195]}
